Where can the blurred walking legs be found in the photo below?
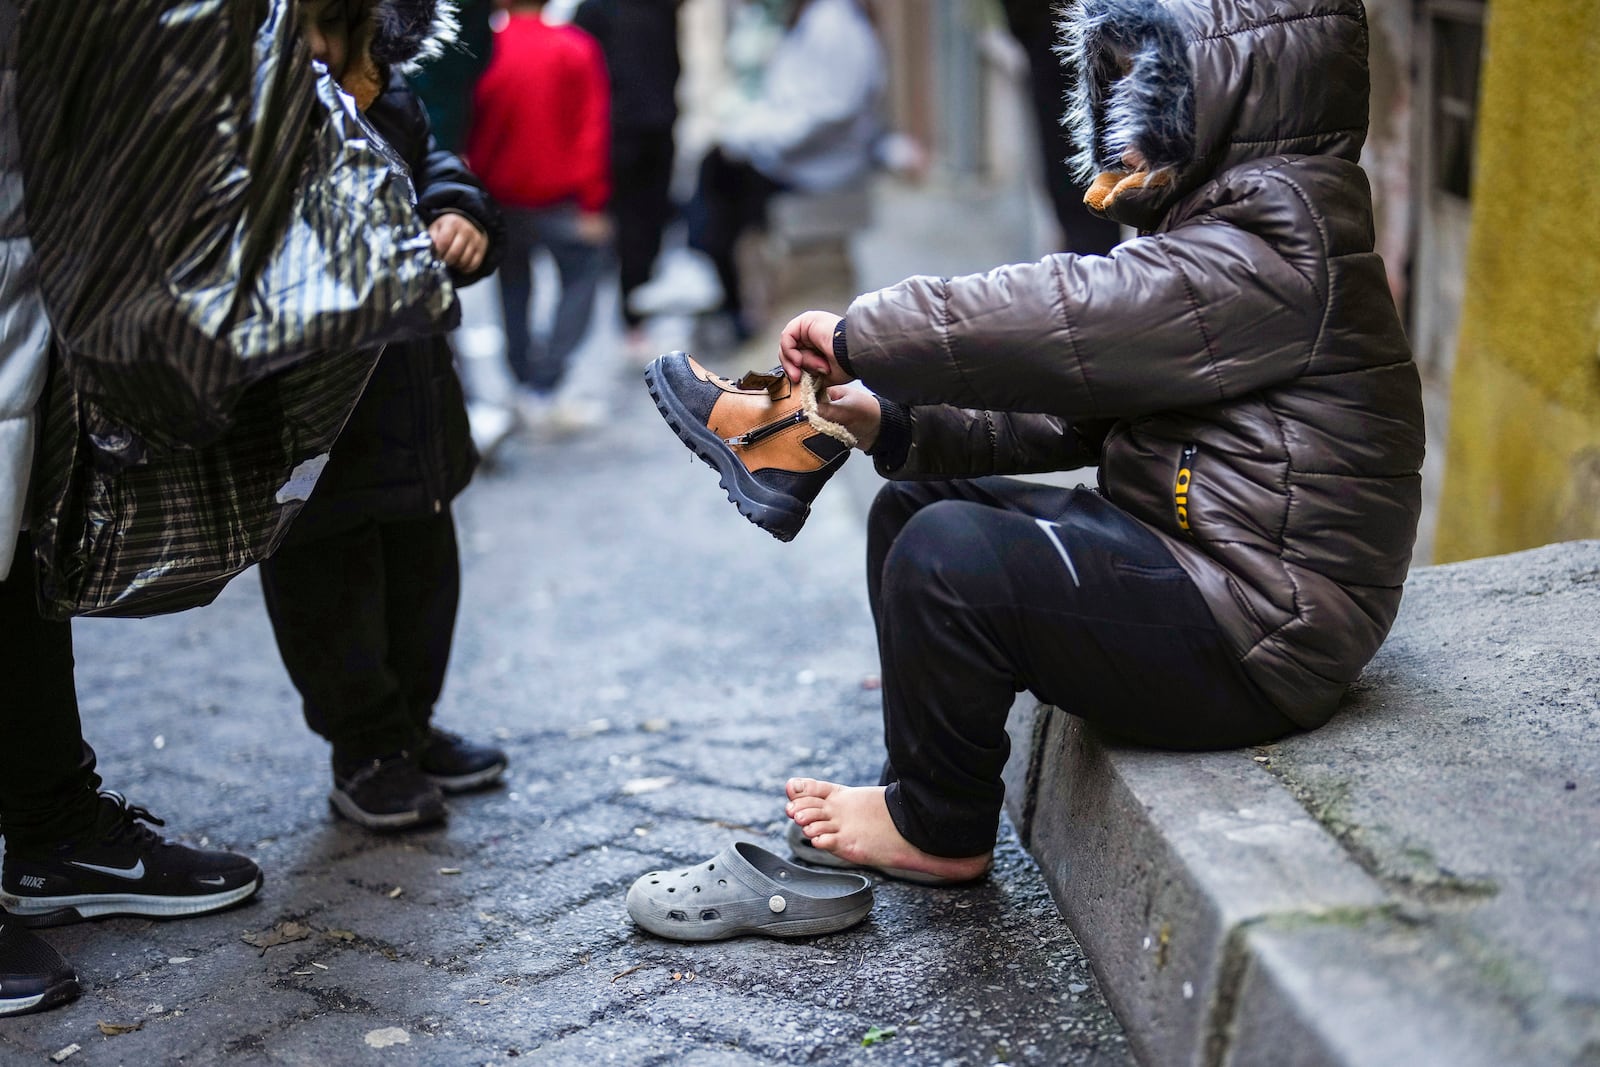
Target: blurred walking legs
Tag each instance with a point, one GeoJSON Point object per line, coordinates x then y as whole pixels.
{"type": "Point", "coordinates": [540, 366]}
{"type": "Point", "coordinates": [641, 175]}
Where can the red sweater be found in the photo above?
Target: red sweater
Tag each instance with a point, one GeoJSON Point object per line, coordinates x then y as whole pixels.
{"type": "Point", "coordinates": [541, 125]}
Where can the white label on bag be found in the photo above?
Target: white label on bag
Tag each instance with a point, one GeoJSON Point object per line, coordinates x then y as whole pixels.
{"type": "Point", "coordinates": [302, 480]}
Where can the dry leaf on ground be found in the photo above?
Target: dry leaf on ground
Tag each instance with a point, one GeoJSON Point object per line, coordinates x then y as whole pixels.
{"type": "Point", "coordinates": [281, 934]}
{"type": "Point", "coordinates": [113, 1029]}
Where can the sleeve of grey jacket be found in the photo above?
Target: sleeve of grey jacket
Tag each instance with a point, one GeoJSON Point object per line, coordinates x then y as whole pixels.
{"type": "Point", "coordinates": [1197, 315]}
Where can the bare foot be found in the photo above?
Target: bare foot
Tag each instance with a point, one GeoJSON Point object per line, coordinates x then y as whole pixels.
{"type": "Point", "coordinates": [853, 823]}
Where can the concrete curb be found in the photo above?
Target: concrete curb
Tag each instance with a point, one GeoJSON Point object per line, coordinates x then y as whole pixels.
{"type": "Point", "coordinates": [1162, 864]}
{"type": "Point", "coordinates": [1229, 926]}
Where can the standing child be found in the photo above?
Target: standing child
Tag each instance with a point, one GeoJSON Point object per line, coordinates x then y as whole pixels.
{"type": "Point", "coordinates": [363, 593]}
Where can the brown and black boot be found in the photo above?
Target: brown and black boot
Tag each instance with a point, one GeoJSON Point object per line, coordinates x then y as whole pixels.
{"type": "Point", "coordinates": [762, 433]}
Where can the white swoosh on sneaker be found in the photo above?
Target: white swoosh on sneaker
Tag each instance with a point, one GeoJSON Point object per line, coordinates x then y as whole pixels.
{"type": "Point", "coordinates": [218, 880]}
{"type": "Point", "coordinates": [132, 874]}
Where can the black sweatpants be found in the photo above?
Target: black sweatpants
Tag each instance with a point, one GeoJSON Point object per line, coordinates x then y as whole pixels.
{"type": "Point", "coordinates": [364, 621]}
{"type": "Point", "coordinates": [730, 198]}
{"type": "Point", "coordinates": [984, 588]}
{"type": "Point", "coordinates": [641, 203]}
{"type": "Point", "coordinates": [47, 777]}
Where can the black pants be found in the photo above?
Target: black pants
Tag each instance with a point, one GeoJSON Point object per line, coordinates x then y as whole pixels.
{"type": "Point", "coordinates": [364, 621]}
{"type": "Point", "coordinates": [984, 588]}
{"type": "Point", "coordinates": [1051, 86]}
{"type": "Point", "coordinates": [730, 198]}
{"type": "Point", "coordinates": [47, 776]}
{"type": "Point", "coordinates": [641, 203]}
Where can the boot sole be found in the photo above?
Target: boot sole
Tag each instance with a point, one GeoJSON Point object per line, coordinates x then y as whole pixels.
{"type": "Point", "coordinates": [773, 511]}
{"type": "Point", "coordinates": [35, 912]}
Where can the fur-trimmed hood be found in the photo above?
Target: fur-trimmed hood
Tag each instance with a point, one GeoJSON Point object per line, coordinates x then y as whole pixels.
{"type": "Point", "coordinates": [387, 34]}
{"type": "Point", "coordinates": [1169, 93]}
{"type": "Point", "coordinates": [407, 32]}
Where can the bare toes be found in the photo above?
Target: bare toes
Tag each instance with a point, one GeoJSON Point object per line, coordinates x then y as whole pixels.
{"type": "Point", "coordinates": [808, 787]}
{"type": "Point", "coordinates": [804, 804]}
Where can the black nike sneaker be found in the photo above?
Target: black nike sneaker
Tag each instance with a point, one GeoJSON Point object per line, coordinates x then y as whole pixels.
{"type": "Point", "coordinates": [121, 867]}
{"type": "Point", "coordinates": [33, 976]}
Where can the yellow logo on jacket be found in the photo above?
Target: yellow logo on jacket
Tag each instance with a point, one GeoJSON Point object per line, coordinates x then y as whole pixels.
{"type": "Point", "coordinates": [1181, 486]}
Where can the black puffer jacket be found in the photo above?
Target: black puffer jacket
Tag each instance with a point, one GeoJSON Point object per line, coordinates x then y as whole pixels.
{"type": "Point", "coordinates": [406, 451]}
{"type": "Point", "coordinates": [1264, 411]}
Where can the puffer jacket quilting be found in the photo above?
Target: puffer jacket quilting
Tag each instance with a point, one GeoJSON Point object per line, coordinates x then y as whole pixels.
{"type": "Point", "coordinates": [1247, 338]}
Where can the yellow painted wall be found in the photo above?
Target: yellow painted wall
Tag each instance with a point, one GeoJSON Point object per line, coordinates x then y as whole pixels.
{"type": "Point", "coordinates": [1523, 466]}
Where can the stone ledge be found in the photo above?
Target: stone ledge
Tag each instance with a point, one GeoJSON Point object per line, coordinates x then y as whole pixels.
{"type": "Point", "coordinates": [1413, 884]}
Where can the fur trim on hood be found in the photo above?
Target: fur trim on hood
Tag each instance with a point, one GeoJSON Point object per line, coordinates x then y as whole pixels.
{"type": "Point", "coordinates": [394, 33]}
{"type": "Point", "coordinates": [1169, 93]}
{"type": "Point", "coordinates": [1134, 87]}
{"type": "Point", "coordinates": [406, 32]}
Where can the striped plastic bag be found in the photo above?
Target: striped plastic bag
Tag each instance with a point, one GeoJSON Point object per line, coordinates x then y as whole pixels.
{"type": "Point", "coordinates": [223, 247]}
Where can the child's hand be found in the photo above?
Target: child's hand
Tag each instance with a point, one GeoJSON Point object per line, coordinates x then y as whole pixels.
{"type": "Point", "coordinates": [855, 409]}
{"type": "Point", "coordinates": [459, 243]}
{"type": "Point", "coordinates": [807, 345]}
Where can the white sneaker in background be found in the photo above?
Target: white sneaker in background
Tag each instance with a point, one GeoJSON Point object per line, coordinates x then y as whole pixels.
{"type": "Point", "coordinates": [490, 424]}
{"type": "Point", "coordinates": [553, 416]}
{"type": "Point", "coordinates": [684, 282]}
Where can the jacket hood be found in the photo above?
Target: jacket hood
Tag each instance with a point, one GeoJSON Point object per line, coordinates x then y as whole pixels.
{"type": "Point", "coordinates": [407, 31]}
{"type": "Point", "coordinates": [1169, 93]}
{"type": "Point", "coordinates": [390, 35]}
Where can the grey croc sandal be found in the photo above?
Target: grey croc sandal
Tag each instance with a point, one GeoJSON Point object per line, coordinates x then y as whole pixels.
{"type": "Point", "coordinates": [747, 890]}
{"type": "Point", "coordinates": [804, 851]}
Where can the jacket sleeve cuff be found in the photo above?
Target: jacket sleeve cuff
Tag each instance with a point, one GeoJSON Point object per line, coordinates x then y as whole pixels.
{"type": "Point", "coordinates": [841, 349]}
{"type": "Point", "coordinates": [893, 445]}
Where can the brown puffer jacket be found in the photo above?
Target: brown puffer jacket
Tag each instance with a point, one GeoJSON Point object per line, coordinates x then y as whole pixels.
{"type": "Point", "coordinates": [1264, 411]}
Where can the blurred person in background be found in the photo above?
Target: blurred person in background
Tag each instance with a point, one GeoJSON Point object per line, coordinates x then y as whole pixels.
{"type": "Point", "coordinates": [640, 41]}
{"type": "Point", "coordinates": [540, 140]}
{"type": "Point", "coordinates": [1033, 24]}
{"type": "Point", "coordinates": [815, 126]}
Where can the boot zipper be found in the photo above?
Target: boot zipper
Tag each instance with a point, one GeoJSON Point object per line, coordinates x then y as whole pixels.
{"type": "Point", "coordinates": [754, 437]}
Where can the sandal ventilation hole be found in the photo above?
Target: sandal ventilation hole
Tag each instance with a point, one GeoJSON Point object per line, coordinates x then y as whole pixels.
{"type": "Point", "coordinates": [678, 915]}
{"type": "Point", "coordinates": [710, 915]}
{"type": "Point", "coordinates": [697, 889]}
{"type": "Point", "coordinates": [672, 889]}
{"type": "Point", "coordinates": [722, 882]}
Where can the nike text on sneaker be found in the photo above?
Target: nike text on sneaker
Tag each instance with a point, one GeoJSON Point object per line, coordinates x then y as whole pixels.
{"type": "Point", "coordinates": [33, 976]}
{"type": "Point", "coordinates": [121, 867]}
{"type": "Point", "coordinates": [762, 434]}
